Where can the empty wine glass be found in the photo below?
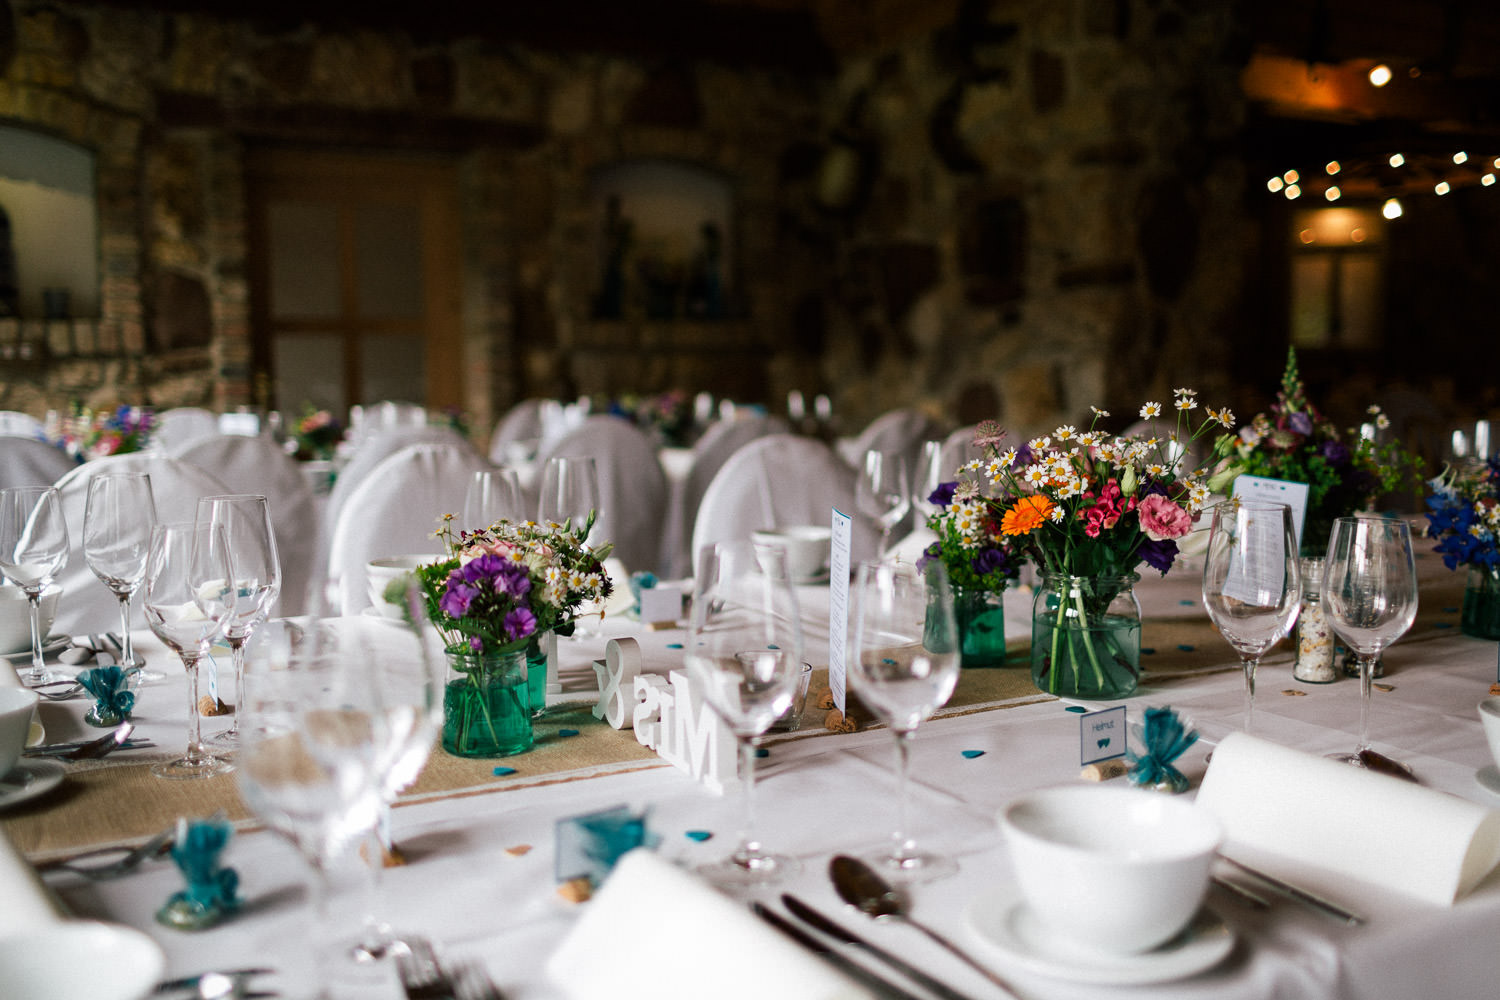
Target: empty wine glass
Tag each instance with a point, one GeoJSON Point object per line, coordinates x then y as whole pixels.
{"type": "Point", "coordinates": [744, 651]}
{"type": "Point", "coordinates": [246, 522]}
{"type": "Point", "coordinates": [188, 570]}
{"type": "Point", "coordinates": [315, 734]}
{"type": "Point", "coordinates": [493, 495]}
{"type": "Point", "coordinates": [883, 493]}
{"type": "Point", "coordinates": [904, 667]}
{"type": "Point", "coordinates": [1252, 581]}
{"type": "Point", "coordinates": [570, 491]}
{"type": "Point", "coordinates": [33, 550]}
{"type": "Point", "coordinates": [930, 474]}
{"type": "Point", "coordinates": [1369, 597]}
{"type": "Point", "coordinates": [117, 521]}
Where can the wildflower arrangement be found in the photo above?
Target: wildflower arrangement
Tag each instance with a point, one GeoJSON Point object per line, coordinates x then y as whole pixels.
{"type": "Point", "coordinates": [90, 434]}
{"type": "Point", "coordinates": [1086, 503]}
{"type": "Point", "coordinates": [977, 555]}
{"type": "Point", "coordinates": [317, 434]}
{"type": "Point", "coordinates": [500, 586]}
{"type": "Point", "coordinates": [1463, 514]}
{"type": "Point", "coordinates": [1294, 441]}
{"type": "Point", "coordinates": [666, 416]}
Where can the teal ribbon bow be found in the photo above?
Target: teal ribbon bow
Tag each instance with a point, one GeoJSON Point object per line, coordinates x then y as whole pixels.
{"type": "Point", "coordinates": [212, 891]}
{"type": "Point", "coordinates": [1165, 737]}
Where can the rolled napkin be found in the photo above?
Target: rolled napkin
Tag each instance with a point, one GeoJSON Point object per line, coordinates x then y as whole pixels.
{"type": "Point", "coordinates": [655, 932]}
{"type": "Point", "coordinates": [10, 678]}
{"type": "Point", "coordinates": [1349, 822]}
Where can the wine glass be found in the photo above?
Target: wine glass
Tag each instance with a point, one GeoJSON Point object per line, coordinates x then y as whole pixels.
{"type": "Point", "coordinates": [184, 609]}
{"type": "Point", "coordinates": [1252, 581]}
{"type": "Point", "coordinates": [1369, 597]}
{"type": "Point", "coordinates": [493, 495]}
{"type": "Point", "coordinates": [315, 734]}
{"type": "Point", "coordinates": [883, 493]}
{"type": "Point", "coordinates": [117, 521]}
{"type": "Point", "coordinates": [33, 550]}
{"type": "Point", "coordinates": [904, 667]}
{"type": "Point", "coordinates": [931, 474]}
{"type": "Point", "coordinates": [570, 491]}
{"type": "Point", "coordinates": [744, 652]}
{"type": "Point", "coordinates": [246, 522]}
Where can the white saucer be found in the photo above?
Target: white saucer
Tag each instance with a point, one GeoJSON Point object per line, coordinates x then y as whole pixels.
{"type": "Point", "coordinates": [1004, 925]}
{"type": "Point", "coordinates": [52, 644]}
{"type": "Point", "coordinates": [30, 779]}
{"type": "Point", "coordinates": [1489, 779]}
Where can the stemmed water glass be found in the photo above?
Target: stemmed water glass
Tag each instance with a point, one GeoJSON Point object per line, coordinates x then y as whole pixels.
{"type": "Point", "coordinates": [188, 570]}
{"type": "Point", "coordinates": [246, 522]}
{"type": "Point", "coordinates": [1252, 581]}
{"type": "Point", "coordinates": [930, 474]}
{"type": "Point", "coordinates": [493, 495]}
{"type": "Point", "coordinates": [33, 550]}
{"type": "Point", "coordinates": [316, 731]}
{"type": "Point", "coordinates": [1369, 597]}
{"type": "Point", "coordinates": [904, 667]}
{"type": "Point", "coordinates": [117, 521]}
{"type": "Point", "coordinates": [570, 490]}
{"type": "Point", "coordinates": [744, 652]}
{"type": "Point", "coordinates": [883, 492]}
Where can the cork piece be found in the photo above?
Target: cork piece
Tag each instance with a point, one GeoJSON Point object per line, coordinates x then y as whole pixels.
{"type": "Point", "coordinates": [391, 856]}
{"type": "Point", "coordinates": [518, 850]}
{"type": "Point", "coordinates": [577, 890]}
{"type": "Point", "coordinates": [1294, 693]}
{"type": "Point", "coordinates": [208, 707]}
{"type": "Point", "coordinates": [1104, 770]}
{"type": "Point", "coordinates": [1382, 687]}
{"type": "Point", "coordinates": [1495, 688]}
{"type": "Point", "coordinates": [837, 722]}
{"type": "Point", "coordinates": [822, 698]}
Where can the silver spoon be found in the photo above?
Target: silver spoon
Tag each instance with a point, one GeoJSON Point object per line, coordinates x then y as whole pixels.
{"type": "Point", "coordinates": [864, 888]}
{"type": "Point", "coordinates": [94, 749]}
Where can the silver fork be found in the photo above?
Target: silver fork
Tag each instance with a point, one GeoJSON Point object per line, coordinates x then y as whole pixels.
{"type": "Point", "coordinates": [473, 983]}
{"type": "Point", "coordinates": [421, 976]}
{"type": "Point", "coordinates": [153, 848]}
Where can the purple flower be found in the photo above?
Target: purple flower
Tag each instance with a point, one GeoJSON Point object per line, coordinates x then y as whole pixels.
{"type": "Point", "coordinates": [1158, 555]}
{"type": "Point", "coordinates": [476, 644]}
{"type": "Point", "coordinates": [457, 598]}
{"type": "Point", "coordinates": [484, 568]}
{"type": "Point", "coordinates": [1335, 453]}
{"type": "Point", "coordinates": [520, 623]}
{"type": "Point", "coordinates": [1300, 423]}
{"type": "Point", "coordinates": [943, 495]}
{"type": "Point", "coordinates": [988, 561]}
{"type": "Point", "coordinates": [512, 579]}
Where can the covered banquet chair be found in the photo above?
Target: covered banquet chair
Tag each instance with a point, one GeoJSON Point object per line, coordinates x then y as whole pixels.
{"type": "Point", "coordinates": [27, 462]}
{"type": "Point", "coordinates": [374, 449]}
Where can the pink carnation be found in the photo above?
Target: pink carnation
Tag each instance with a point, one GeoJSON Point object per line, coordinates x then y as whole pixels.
{"type": "Point", "coordinates": [1161, 519]}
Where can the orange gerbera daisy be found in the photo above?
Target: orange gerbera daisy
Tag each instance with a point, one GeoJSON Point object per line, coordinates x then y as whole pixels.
{"type": "Point", "coordinates": [1027, 515]}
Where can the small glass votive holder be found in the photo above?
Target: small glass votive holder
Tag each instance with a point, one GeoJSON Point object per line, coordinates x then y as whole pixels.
{"type": "Point", "coordinates": [791, 719]}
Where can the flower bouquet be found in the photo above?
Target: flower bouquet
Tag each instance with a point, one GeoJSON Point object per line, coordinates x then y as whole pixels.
{"type": "Point", "coordinates": [495, 594]}
{"type": "Point", "coordinates": [981, 561]}
{"type": "Point", "coordinates": [1297, 443]}
{"type": "Point", "coordinates": [90, 434]}
{"type": "Point", "coordinates": [1463, 514]}
{"type": "Point", "coordinates": [1088, 508]}
{"type": "Point", "coordinates": [317, 434]}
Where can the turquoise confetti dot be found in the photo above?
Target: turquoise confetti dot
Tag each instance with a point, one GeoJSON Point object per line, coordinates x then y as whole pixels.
{"type": "Point", "coordinates": [567, 732]}
{"type": "Point", "coordinates": [699, 835]}
{"type": "Point", "coordinates": [772, 646]}
{"type": "Point", "coordinates": [1076, 708]}
{"type": "Point", "coordinates": [674, 645]}
{"type": "Point", "coordinates": [1147, 650]}
{"type": "Point", "coordinates": [971, 754]}
{"type": "Point", "coordinates": [1186, 647]}
{"type": "Point", "coordinates": [888, 661]}
{"type": "Point", "coordinates": [501, 772]}
{"type": "Point", "coordinates": [762, 752]}
{"type": "Point", "coordinates": [1187, 603]}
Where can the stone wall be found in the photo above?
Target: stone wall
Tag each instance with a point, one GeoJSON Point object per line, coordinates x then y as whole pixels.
{"type": "Point", "coordinates": [1031, 208]}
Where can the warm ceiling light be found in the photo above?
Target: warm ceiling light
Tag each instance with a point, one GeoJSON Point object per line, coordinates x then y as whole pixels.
{"type": "Point", "coordinates": [1293, 192]}
{"type": "Point", "coordinates": [1275, 184]}
{"type": "Point", "coordinates": [1307, 236]}
{"type": "Point", "coordinates": [1333, 193]}
{"type": "Point", "coordinates": [1391, 209]}
{"type": "Point", "coordinates": [1441, 187]}
{"type": "Point", "coordinates": [1397, 159]}
{"type": "Point", "coordinates": [1291, 176]}
{"type": "Point", "coordinates": [1332, 167]}
{"type": "Point", "coordinates": [1460, 157]}
{"type": "Point", "coordinates": [1487, 180]}
{"type": "Point", "coordinates": [1380, 75]}
{"type": "Point", "coordinates": [1357, 235]}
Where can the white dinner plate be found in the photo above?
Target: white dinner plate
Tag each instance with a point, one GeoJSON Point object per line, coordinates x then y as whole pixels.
{"type": "Point", "coordinates": [1004, 925]}
{"type": "Point", "coordinates": [1489, 779]}
{"type": "Point", "coordinates": [51, 645]}
{"type": "Point", "coordinates": [80, 960]}
{"type": "Point", "coordinates": [30, 779]}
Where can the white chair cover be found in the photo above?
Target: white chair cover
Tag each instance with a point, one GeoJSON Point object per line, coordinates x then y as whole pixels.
{"type": "Point", "coordinates": [373, 449]}
{"type": "Point", "coordinates": [781, 480]}
{"type": "Point", "coordinates": [86, 605]}
{"type": "Point", "coordinates": [257, 465]}
{"type": "Point", "coordinates": [902, 430]}
{"type": "Point", "coordinates": [518, 434]}
{"type": "Point", "coordinates": [722, 439]}
{"type": "Point", "coordinates": [14, 423]}
{"type": "Point", "coordinates": [394, 512]}
{"type": "Point", "coordinates": [632, 487]}
{"type": "Point", "coordinates": [958, 448]}
{"type": "Point", "coordinates": [26, 462]}
{"type": "Point", "coordinates": [179, 427]}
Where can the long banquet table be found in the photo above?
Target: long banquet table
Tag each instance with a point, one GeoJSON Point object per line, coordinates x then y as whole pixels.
{"type": "Point", "coordinates": [821, 793]}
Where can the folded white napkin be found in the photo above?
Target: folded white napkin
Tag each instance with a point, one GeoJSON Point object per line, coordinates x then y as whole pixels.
{"type": "Point", "coordinates": [26, 903]}
{"type": "Point", "coordinates": [1347, 821]}
{"type": "Point", "coordinates": [655, 932]}
{"type": "Point", "coordinates": [9, 677]}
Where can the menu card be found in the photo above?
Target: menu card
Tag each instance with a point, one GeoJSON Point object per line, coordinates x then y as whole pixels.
{"type": "Point", "coordinates": [838, 606]}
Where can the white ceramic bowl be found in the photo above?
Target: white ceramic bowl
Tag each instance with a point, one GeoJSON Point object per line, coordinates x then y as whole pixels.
{"type": "Point", "coordinates": [15, 618]}
{"type": "Point", "coordinates": [1489, 714]}
{"type": "Point", "coordinates": [16, 707]}
{"type": "Point", "coordinates": [1113, 871]}
{"type": "Point", "coordinates": [380, 572]}
{"type": "Point", "coordinates": [79, 960]}
{"type": "Point", "coordinates": [806, 546]}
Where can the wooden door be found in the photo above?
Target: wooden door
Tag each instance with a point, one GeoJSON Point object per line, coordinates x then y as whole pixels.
{"type": "Point", "coordinates": [355, 280]}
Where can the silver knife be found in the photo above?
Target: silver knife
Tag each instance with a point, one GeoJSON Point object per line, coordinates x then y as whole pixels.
{"type": "Point", "coordinates": [1297, 893]}
{"type": "Point", "coordinates": [882, 987]}
{"type": "Point", "coordinates": [818, 921]}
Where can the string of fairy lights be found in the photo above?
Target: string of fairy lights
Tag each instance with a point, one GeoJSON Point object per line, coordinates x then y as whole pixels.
{"type": "Point", "coordinates": [1392, 176]}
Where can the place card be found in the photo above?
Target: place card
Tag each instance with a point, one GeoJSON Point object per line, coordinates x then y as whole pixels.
{"type": "Point", "coordinates": [588, 846]}
{"type": "Point", "coordinates": [661, 604]}
{"type": "Point", "coordinates": [1101, 735]}
{"type": "Point", "coordinates": [838, 606]}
